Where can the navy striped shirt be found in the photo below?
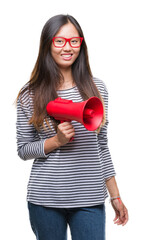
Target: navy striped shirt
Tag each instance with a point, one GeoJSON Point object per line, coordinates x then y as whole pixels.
{"type": "Point", "coordinates": [72, 175]}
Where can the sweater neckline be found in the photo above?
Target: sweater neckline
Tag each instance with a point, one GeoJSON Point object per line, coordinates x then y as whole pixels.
{"type": "Point", "coordinates": [68, 89]}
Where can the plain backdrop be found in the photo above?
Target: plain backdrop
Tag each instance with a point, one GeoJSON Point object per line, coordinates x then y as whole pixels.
{"type": "Point", "coordinates": [114, 33]}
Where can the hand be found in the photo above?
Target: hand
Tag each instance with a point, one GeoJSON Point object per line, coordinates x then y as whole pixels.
{"type": "Point", "coordinates": [65, 132]}
{"type": "Point", "coordinates": [121, 212]}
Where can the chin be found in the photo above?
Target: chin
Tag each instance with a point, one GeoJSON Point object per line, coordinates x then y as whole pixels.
{"type": "Point", "coordinates": [65, 64]}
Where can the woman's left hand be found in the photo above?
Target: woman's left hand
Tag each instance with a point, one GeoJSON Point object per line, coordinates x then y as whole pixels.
{"type": "Point", "coordinates": [121, 212]}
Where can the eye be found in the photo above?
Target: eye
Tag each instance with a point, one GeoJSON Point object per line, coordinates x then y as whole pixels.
{"type": "Point", "coordinates": [74, 41]}
{"type": "Point", "coordinates": [59, 41]}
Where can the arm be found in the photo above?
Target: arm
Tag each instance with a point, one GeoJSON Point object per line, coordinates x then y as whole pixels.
{"type": "Point", "coordinates": [121, 213]}
{"type": "Point", "coordinates": [112, 187]}
{"type": "Point", "coordinates": [29, 146]}
{"type": "Point", "coordinates": [108, 166]}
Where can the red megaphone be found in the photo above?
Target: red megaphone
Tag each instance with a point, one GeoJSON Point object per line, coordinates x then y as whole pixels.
{"type": "Point", "coordinates": [89, 112]}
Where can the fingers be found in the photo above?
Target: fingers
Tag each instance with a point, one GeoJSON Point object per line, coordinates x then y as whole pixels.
{"type": "Point", "coordinates": [118, 220]}
{"type": "Point", "coordinates": [65, 125]}
{"type": "Point", "coordinates": [125, 216]}
{"type": "Point", "coordinates": [65, 132]}
{"type": "Point", "coordinates": [66, 129]}
{"type": "Point", "coordinates": [116, 217]}
{"type": "Point", "coordinates": [121, 217]}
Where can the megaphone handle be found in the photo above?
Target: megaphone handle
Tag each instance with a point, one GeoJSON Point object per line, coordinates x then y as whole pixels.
{"type": "Point", "coordinates": [71, 139]}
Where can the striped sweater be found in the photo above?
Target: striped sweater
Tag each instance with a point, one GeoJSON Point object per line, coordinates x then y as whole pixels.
{"type": "Point", "coordinates": [72, 175]}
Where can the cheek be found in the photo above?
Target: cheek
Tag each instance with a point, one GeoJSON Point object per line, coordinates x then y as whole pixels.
{"type": "Point", "coordinates": [55, 52]}
{"type": "Point", "coordinates": [76, 53]}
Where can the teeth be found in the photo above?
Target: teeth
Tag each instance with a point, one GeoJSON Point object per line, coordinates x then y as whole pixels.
{"type": "Point", "coordinates": [67, 55]}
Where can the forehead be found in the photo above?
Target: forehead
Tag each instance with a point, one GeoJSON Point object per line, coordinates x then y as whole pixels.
{"type": "Point", "coordinates": [68, 30]}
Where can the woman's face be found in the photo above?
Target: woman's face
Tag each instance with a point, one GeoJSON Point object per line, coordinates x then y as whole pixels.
{"type": "Point", "coordinates": [65, 56]}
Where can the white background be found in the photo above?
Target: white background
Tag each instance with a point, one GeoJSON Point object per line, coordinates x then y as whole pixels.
{"type": "Point", "coordinates": [114, 34]}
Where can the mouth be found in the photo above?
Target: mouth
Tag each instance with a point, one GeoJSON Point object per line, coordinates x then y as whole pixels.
{"type": "Point", "coordinates": [67, 56]}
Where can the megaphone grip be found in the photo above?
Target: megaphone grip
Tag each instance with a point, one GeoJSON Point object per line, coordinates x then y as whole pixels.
{"type": "Point", "coordinates": [71, 139]}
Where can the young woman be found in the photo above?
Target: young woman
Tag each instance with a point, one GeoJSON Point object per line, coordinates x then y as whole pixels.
{"type": "Point", "coordinates": [69, 179]}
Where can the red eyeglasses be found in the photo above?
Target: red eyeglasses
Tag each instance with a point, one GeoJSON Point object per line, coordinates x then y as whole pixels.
{"type": "Point", "coordinates": [74, 42]}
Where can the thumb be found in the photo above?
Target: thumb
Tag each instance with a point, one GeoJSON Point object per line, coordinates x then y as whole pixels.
{"type": "Point", "coordinates": [116, 217]}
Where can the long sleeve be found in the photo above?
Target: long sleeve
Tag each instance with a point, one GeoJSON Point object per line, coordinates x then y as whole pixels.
{"type": "Point", "coordinates": [29, 146]}
{"type": "Point", "coordinates": [109, 170]}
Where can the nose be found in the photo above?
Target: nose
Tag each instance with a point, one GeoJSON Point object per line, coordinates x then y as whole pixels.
{"type": "Point", "coordinates": [67, 46]}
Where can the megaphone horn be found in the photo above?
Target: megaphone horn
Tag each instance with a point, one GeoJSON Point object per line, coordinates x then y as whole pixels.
{"type": "Point", "coordinates": [89, 112]}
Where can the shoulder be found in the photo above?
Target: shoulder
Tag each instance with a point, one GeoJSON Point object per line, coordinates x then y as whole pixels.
{"type": "Point", "coordinates": [100, 84]}
{"type": "Point", "coordinates": [26, 94]}
{"type": "Point", "coordinates": [25, 99]}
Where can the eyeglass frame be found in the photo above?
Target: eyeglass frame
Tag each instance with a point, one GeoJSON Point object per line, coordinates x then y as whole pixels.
{"type": "Point", "coordinates": [67, 40]}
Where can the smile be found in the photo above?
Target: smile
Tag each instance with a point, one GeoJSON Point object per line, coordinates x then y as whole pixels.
{"type": "Point", "coordinates": [67, 56]}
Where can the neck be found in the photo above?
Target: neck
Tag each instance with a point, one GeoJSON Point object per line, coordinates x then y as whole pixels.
{"type": "Point", "coordinates": [67, 81]}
